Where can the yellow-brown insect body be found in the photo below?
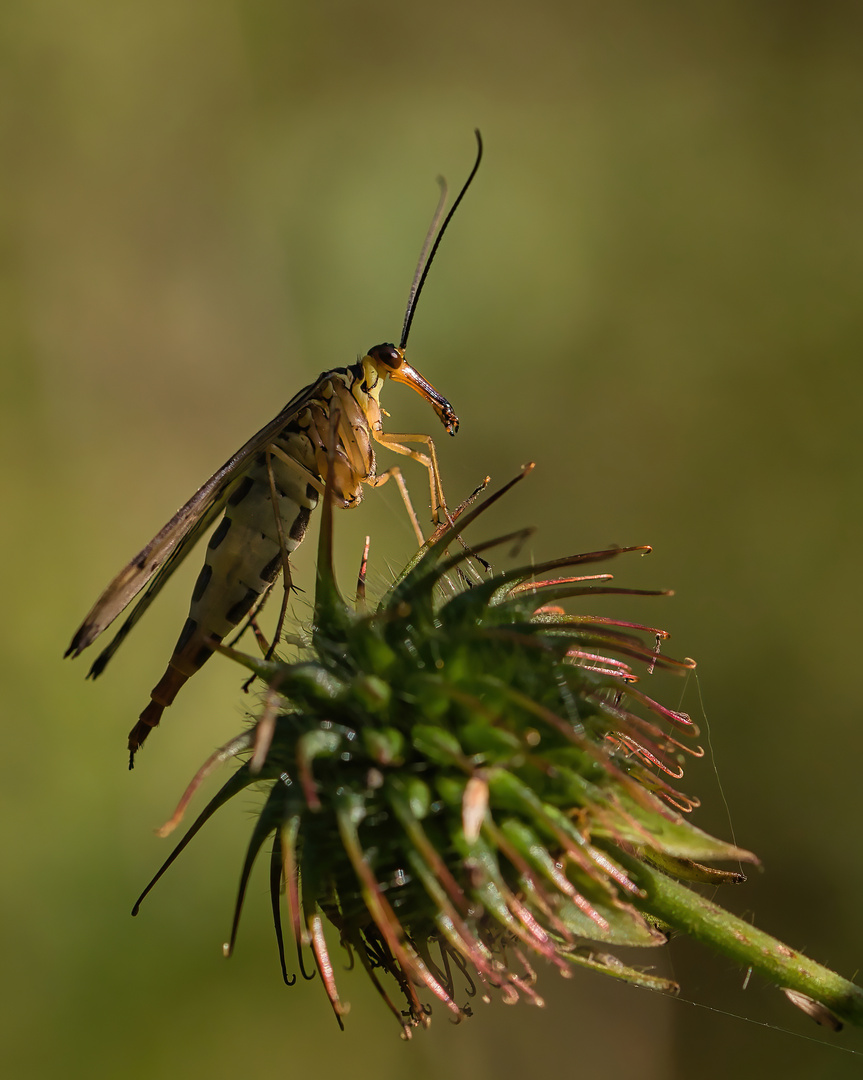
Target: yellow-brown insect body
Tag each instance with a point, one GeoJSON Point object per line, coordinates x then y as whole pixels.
{"type": "Point", "coordinates": [268, 490]}
{"type": "Point", "coordinates": [250, 547]}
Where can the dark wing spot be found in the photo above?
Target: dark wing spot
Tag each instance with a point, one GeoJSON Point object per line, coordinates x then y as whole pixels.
{"type": "Point", "coordinates": [298, 529]}
{"type": "Point", "coordinates": [242, 607]}
{"type": "Point", "coordinates": [220, 533]}
{"type": "Point", "coordinates": [202, 582]}
{"type": "Point", "coordinates": [241, 490]}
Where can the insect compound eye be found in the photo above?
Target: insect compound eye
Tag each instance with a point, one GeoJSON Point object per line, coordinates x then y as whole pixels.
{"type": "Point", "coordinates": [388, 355]}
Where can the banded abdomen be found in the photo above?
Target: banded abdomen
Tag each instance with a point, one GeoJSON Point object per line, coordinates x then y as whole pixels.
{"type": "Point", "coordinates": [245, 552]}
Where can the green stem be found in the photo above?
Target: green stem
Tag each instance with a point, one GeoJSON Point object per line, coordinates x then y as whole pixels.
{"type": "Point", "coordinates": [687, 911]}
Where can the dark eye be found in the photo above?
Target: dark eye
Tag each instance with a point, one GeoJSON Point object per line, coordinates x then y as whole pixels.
{"type": "Point", "coordinates": [388, 355]}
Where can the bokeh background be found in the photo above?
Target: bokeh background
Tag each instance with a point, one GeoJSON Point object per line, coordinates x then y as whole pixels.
{"type": "Point", "coordinates": [653, 290]}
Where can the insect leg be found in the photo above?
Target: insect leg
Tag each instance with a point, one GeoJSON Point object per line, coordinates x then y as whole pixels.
{"type": "Point", "coordinates": [361, 578]}
{"type": "Point", "coordinates": [283, 548]}
{"type": "Point", "coordinates": [251, 622]}
{"type": "Point", "coordinates": [429, 461]}
{"type": "Point", "coordinates": [395, 473]}
{"type": "Point", "coordinates": [253, 625]}
{"type": "Point", "coordinates": [292, 463]}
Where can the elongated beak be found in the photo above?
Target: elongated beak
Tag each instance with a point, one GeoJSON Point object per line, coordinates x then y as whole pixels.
{"type": "Point", "coordinates": [410, 376]}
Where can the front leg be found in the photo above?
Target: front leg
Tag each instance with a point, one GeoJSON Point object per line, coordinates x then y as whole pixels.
{"type": "Point", "coordinates": [396, 442]}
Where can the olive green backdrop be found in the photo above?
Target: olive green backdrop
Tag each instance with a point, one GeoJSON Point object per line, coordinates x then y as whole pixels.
{"type": "Point", "coordinates": [653, 291]}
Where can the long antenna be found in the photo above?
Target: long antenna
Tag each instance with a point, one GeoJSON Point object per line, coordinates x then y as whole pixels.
{"type": "Point", "coordinates": [427, 243]}
{"type": "Point", "coordinates": [421, 275]}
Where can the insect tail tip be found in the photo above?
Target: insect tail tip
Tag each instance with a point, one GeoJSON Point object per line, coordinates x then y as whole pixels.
{"type": "Point", "coordinates": [78, 643]}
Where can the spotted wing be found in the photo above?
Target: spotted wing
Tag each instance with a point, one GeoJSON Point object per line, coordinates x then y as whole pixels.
{"type": "Point", "coordinates": [171, 544]}
{"type": "Point", "coordinates": [158, 580]}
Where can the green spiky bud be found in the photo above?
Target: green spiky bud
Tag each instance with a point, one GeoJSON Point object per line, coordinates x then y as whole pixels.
{"type": "Point", "coordinates": [468, 778]}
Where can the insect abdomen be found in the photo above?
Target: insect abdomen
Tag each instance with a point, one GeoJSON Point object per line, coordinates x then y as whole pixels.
{"type": "Point", "coordinates": [244, 557]}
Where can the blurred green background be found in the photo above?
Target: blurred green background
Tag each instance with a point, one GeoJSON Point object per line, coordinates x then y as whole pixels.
{"type": "Point", "coordinates": [653, 290]}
